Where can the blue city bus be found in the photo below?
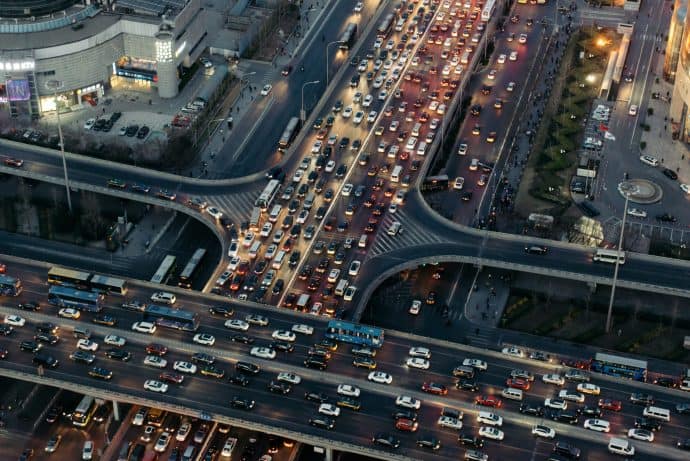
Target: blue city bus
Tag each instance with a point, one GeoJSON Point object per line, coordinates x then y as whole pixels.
{"type": "Point", "coordinates": [168, 317]}
{"type": "Point", "coordinates": [354, 333]}
{"type": "Point", "coordinates": [623, 367]}
{"type": "Point", "coordinates": [71, 297]}
{"type": "Point", "coordinates": [10, 286]}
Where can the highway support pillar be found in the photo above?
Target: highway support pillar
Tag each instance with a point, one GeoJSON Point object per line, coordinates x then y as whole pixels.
{"type": "Point", "coordinates": [328, 454]}
{"type": "Point", "coordinates": [116, 411]}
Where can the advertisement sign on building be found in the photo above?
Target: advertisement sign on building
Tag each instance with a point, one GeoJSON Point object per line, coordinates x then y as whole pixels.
{"type": "Point", "coordinates": [18, 90]}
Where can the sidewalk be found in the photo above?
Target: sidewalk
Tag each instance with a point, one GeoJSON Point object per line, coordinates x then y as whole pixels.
{"type": "Point", "coordinates": [485, 303]}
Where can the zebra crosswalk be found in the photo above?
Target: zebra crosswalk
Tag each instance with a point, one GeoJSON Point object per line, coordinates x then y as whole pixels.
{"type": "Point", "coordinates": [237, 207]}
{"type": "Point", "coordinates": [412, 234]}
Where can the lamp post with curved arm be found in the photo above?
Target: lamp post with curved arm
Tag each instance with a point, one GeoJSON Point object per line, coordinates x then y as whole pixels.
{"type": "Point", "coordinates": [302, 113]}
{"type": "Point", "coordinates": [327, 62]}
{"type": "Point", "coordinates": [54, 86]}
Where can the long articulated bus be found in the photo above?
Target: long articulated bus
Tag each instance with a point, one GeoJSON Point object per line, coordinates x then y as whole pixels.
{"type": "Point", "coordinates": [61, 276]}
{"type": "Point", "coordinates": [187, 275]}
{"type": "Point", "coordinates": [349, 36]}
{"type": "Point", "coordinates": [609, 256]}
{"type": "Point", "coordinates": [289, 134]}
{"type": "Point", "coordinates": [10, 286]}
{"type": "Point", "coordinates": [167, 317]}
{"type": "Point", "coordinates": [354, 333]}
{"type": "Point", "coordinates": [488, 10]}
{"type": "Point", "coordinates": [88, 301]}
{"type": "Point", "coordinates": [434, 183]}
{"type": "Point", "coordinates": [385, 25]}
{"type": "Point", "coordinates": [268, 195]}
{"type": "Point", "coordinates": [84, 411]}
{"type": "Point", "coordinates": [165, 270]}
{"type": "Point", "coordinates": [624, 367]}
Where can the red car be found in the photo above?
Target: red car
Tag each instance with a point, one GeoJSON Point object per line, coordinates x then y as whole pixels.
{"type": "Point", "coordinates": [579, 364]}
{"type": "Point", "coordinates": [407, 425]}
{"type": "Point", "coordinates": [435, 388]}
{"type": "Point", "coordinates": [518, 383]}
{"type": "Point", "coordinates": [15, 162]}
{"type": "Point", "coordinates": [156, 349]}
{"type": "Point", "coordinates": [173, 378]}
{"type": "Point", "coordinates": [3, 268]}
{"type": "Point", "coordinates": [488, 401]}
{"type": "Point", "coordinates": [610, 404]}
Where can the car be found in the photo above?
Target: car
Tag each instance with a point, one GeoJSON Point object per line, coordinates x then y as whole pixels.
{"type": "Point", "coordinates": [164, 297]}
{"type": "Point", "coordinates": [104, 319]}
{"type": "Point", "coordinates": [100, 373]}
{"type": "Point", "coordinates": [119, 354]}
{"type": "Point", "coordinates": [156, 349]}
{"type": "Point", "coordinates": [556, 404]}
{"type": "Point", "coordinates": [170, 377]}
{"type": "Point", "coordinates": [406, 425]}
{"type": "Point", "coordinates": [417, 362]}
{"type": "Point", "coordinates": [685, 188]}
{"type": "Point", "coordinates": [204, 339]}
{"type": "Point", "coordinates": [566, 449]}
{"type": "Point", "coordinates": [449, 422]}
{"type": "Point", "coordinates": [670, 174]}
{"type": "Point", "coordinates": [329, 409]}
{"type": "Point", "coordinates": [531, 409]}
{"type": "Point", "coordinates": [682, 408]}
{"type": "Point", "coordinates": [88, 124]}
{"type": "Point", "coordinates": [380, 377]}
{"type": "Point", "coordinates": [513, 351]}
{"type": "Point", "coordinates": [589, 388]}
{"type": "Point", "coordinates": [284, 335]}
{"type": "Point", "coordinates": [53, 443]}
{"type": "Point", "coordinates": [29, 306]}
{"type": "Point", "coordinates": [82, 357]}
{"type": "Point", "coordinates": [348, 390]}
{"type": "Point", "coordinates": [87, 345]}
{"type": "Point", "coordinates": [637, 213]}
{"type": "Point", "coordinates": [408, 402]}
{"type": "Point", "coordinates": [241, 403]}
{"type": "Point", "coordinates": [364, 362]}
{"type": "Point", "coordinates": [144, 327]}
{"type": "Point", "coordinates": [488, 401]}
{"type": "Point", "coordinates": [632, 110]}
{"type": "Point", "coordinates": [266, 90]}
{"type": "Point", "coordinates": [639, 398]}
{"type": "Point", "coordinates": [286, 71]}
{"type": "Point", "coordinates": [321, 421]}
{"type": "Point", "coordinates": [236, 324]}
{"type": "Point", "coordinates": [13, 162]}
{"type": "Point", "coordinates": [15, 320]}
{"type": "Point", "coordinates": [543, 431]}
{"type": "Point", "coordinates": [536, 250]}
{"type": "Point", "coordinates": [415, 307]}
{"type": "Point", "coordinates": [566, 394]}
{"type": "Point", "coordinates": [155, 386]}
{"type": "Point", "coordinates": [553, 378]}
{"type": "Point", "coordinates": [87, 451]}
{"type": "Point", "coordinates": [69, 313]}
{"type": "Point", "coordinates": [649, 160]}
{"type": "Point", "coordinates": [385, 440]}
{"type": "Point", "coordinates": [203, 358]}
{"type": "Point", "coordinates": [263, 352]}
{"type": "Point", "coordinates": [155, 361]}
{"type": "Point", "coordinates": [302, 328]}
{"type": "Point", "coordinates": [597, 425]}
{"type": "Point", "coordinates": [576, 375]}
{"type": "Point", "coordinates": [518, 383]}
{"type": "Point", "coordinates": [510, 87]}
{"type": "Point", "coordinates": [429, 442]}
{"type": "Point", "coordinates": [491, 432]}
{"type": "Point", "coordinates": [641, 434]}
{"type": "Point", "coordinates": [184, 367]}
{"type": "Point", "coordinates": [434, 388]}
{"type": "Point", "coordinates": [683, 444]}
{"type": "Point", "coordinates": [648, 423]}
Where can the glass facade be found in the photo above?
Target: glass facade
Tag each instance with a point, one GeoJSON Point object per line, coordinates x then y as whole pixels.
{"type": "Point", "coordinates": [675, 37]}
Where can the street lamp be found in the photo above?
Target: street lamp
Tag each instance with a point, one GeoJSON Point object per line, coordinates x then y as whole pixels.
{"type": "Point", "coordinates": [618, 261]}
{"type": "Point", "coordinates": [327, 62]}
{"type": "Point", "coordinates": [54, 86]}
{"type": "Point", "coordinates": [302, 113]}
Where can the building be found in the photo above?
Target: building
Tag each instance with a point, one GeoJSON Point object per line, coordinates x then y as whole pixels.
{"type": "Point", "coordinates": [681, 88]}
{"type": "Point", "coordinates": [675, 36]}
{"type": "Point", "coordinates": [78, 49]}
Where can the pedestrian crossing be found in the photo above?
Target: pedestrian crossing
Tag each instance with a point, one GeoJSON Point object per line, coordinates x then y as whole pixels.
{"type": "Point", "coordinates": [238, 206]}
{"type": "Point", "coordinates": [412, 235]}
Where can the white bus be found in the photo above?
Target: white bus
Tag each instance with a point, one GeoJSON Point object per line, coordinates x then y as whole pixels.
{"type": "Point", "coordinates": [165, 270]}
{"type": "Point", "coordinates": [269, 193]}
{"type": "Point", "coordinates": [488, 10]}
{"type": "Point", "coordinates": [609, 256]}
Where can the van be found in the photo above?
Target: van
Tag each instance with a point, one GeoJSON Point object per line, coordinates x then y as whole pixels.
{"type": "Point", "coordinates": [465, 58]}
{"type": "Point", "coordinates": [81, 333]}
{"type": "Point", "coordinates": [512, 394]}
{"type": "Point", "coordinates": [620, 446]}
{"type": "Point", "coordinates": [341, 287]}
{"type": "Point", "coordinates": [275, 212]}
{"type": "Point", "coordinates": [189, 453]}
{"type": "Point", "coordinates": [309, 201]}
{"type": "Point", "coordinates": [362, 241]}
{"type": "Point", "coordinates": [278, 260]}
{"type": "Point", "coordinates": [415, 129]}
{"type": "Point", "coordinates": [421, 148]}
{"type": "Point", "coordinates": [303, 302]}
{"type": "Point", "coordinates": [397, 171]}
{"type": "Point", "coordinates": [254, 250]}
{"type": "Point", "coordinates": [657, 413]}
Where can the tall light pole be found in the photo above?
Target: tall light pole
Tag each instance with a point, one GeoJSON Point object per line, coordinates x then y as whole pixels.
{"type": "Point", "coordinates": [609, 314]}
{"type": "Point", "coordinates": [54, 86]}
{"type": "Point", "coordinates": [327, 62]}
{"type": "Point", "coordinates": [302, 113]}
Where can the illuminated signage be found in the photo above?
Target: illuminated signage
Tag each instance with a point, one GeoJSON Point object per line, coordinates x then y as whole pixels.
{"type": "Point", "coordinates": [137, 74]}
{"type": "Point", "coordinates": [17, 66]}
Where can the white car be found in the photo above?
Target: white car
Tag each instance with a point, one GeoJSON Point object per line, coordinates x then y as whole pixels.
{"type": "Point", "coordinates": [347, 112]}
{"type": "Point", "coordinates": [492, 419]}
{"type": "Point", "coordinates": [380, 377]}
{"type": "Point", "coordinates": [492, 74]}
{"type": "Point", "coordinates": [144, 327]}
{"type": "Point", "coordinates": [649, 160]}
{"type": "Point", "coordinates": [371, 118]}
{"type": "Point", "coordinates": [597, 425]}
{"type": "Point", "coordinates": [641, 434]}
{"type": "Point", "coordinates": [347, 190]}
{"type": "Point", "coordinates": [162, 442]}
{"type": "Point", "coordinates": [491, 433]}
{"type": "Point", "coordinates": [368, 99]}
{"type": "Point", "coordinates": [553, 378]}
{"type": "Point", "coordinates": [155, 386]}
{"type": "Point", "coordinates": [184, 367]}
{"type": "Point", "coordinates": [234, 262]}
{"type": "Point", "coordinates": [632, 110]}
{"type": "Point", "coordinates": [556, 404]}
{"type": "Point", "coordinates": [543, 431]}
{"type": "Point", "coordinates": [69, 313]}
{"type": "Point", "coordinates": [636, 212]}
{"type": "Point", "coordinates": [475, 363]}
{"type": "Point", "coordinates": [289, 378]}
{"type": "Point", "coordinates": [297, 177]}
{"type": "Point", "coordinates": [284, 335]}
{"type": "Point", "coordinates": [450, 422]}
{"type": "Point", "coordinates": [236, 324]}
{"type": "Point", "coordinates": [685, 188]}
{"type": "Point", "coordinates": [155, 361]}
{"type": "Point", "coordinates": [419, 352]}
{"type": "Point", "coordinates": [228, 447]}
{"type": "Point", "coordinates": [316, 148]}
{"type": "Point", "coordinates": [263, 352]}
{"type": "Point", "coordinates": [87, 451]}
{"type": "Point", "coordinates": [354, 268]}
{"type": "Point", "coordinates": [15, 320]}
{"type": "Point", "coordinates": [183, 432]}
{"type": "Point", "coordinates": [89, 123]}
{"type": "Point", "coordinates": [302, 328]}
{"type": "Point", "coordinates": [357, 119]}
{"type": "Point", "coordinates": [266, 90]}
{"type": "Point", "coordinates": [501, 59]}
{"type": "Point", "coordinates": [164, 297]}
{"type": "Point", "coordinates": [87, 345]}
{"type": "Point", "coordinates": [510, 87]}
{"type": "Point", "coordinates": [406, 401]}
{"type": "Point", "coordinates": [513, 351]}
{"type": "Point", "coordinates": [329, 409]}
{"type": "Point", "coordinates": [248, 239]}
{"type": "Point", "coordinates": [256, 319]}
{"type": "Point", "coordinates": [415, 307]}
{"type": "Point", "coordinates": [214, 212]}
{"type": "Point", "coordinates": [350, 293]}
{"type": "Point", "coordinates": [204, 339]}
{"type": "Point", "coordinates": [589, 388]}
{"type": "Point", "coordinates": [330, 166]}
{"type": "Point", "coordinates": [462, 149]}
{"type": "Point", "coordinates": [115, 340]}
{"type": "Point", "coordinates": [348, 390]}
{"type": "Point", "coordinates": [513, 56]}
{"type": "Point", "coordinates": [417, 362]}
{"type": "Point", "coordinates": [565, 394]}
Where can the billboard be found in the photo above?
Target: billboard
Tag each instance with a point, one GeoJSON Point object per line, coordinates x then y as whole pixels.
{"type": "Point", "coordinates": [18, 90]}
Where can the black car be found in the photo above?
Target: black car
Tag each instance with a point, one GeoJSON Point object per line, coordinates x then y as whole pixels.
{"type": "Point", "coordinates": [467, 385]}
{"type": "Point", "coordinates": [105, 319]}
{"type": "Point", "coordinates": [222, 311]}
{"type": "Point", "coordinates": [47, 327]}
{"type": "Point", "coordinates": [683, 444]}
{"type": "Point", "coordinates": [241, 404]}
{"type": "Point", "coordinates": [53, 414]}
{"type": "Point", "coordinates": [29, 306]}
{"type": "Point", "coordinates": [143, 132]}
{"type": "Point", "coordinates": [565, 417]}
{"type": "Point", "coordinates": [319, 397]}
{"type": "Point", "coordinates": [212, 371]}
{"type": "Point", "coordinates": [466, 196]}
{"type": "Point", "coordinates": [322, 421]}
{"type": "Point", "coordinates": [118, 354]}
{"type": "Point", "coordinates": [279, 388]}
{"type": "Point", "coordinates": [29, 346]}
{"type": "Point", "coordinates": [529, 409]}
{"type": "Point", "coordinates": [648, 423]}
{"type": "Point", "coordinates": [242, 338]}
{"type": "Point", "coordinates": [6, 330]}
{"type": "Point", "coordinates": [470, 440]}
{"type": "Point", "coordinates": [27, 455]}
{"type": "Point", "coordinates": [239, 379]}
{"type": "Point", "coordinates": [566, 449]}
{"type": "Point", "coordinates": [537, 250]}
{"type": "Point", "coordinates": [247, 367]}
{"type": "Point", "coordinates": [429, 442]}
{"type": "Point", "coordinates": [364, 362]}
{"type": "Point", "coordinates": [282, 346]}
{"type": "Point", "coordinates": [203, 358]}
{"type": "Point", "coordinates": [638, 398]}
{"type": "Point", "coordinates": [666, 217]}
{"type": "Point", "coordinates": [47, 338]}
{"type": "Point", "coordinates": [101, 373]}
{"type": "Point", "coordinates": [593, 412]}
{"type": "Point", "coordinates": [315, 363]}
{"type": "Point", "coordinates": [670, 174]}
{"type": "Point", "coordinates": [385, 440]}
{"type": "Point", "coordinates": [666, 382]}
{"type": "Point", "coordinates": [406, 414]}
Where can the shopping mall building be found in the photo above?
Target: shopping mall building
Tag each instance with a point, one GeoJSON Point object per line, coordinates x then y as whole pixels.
{"type": "Point", "coordinates": [78, 49]}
